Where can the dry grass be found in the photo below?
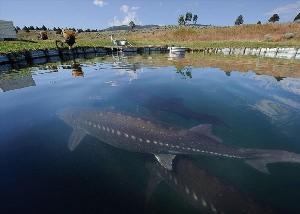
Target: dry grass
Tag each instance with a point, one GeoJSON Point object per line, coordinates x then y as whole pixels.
{"type": "Point", "coordinates": [218, 37]}
{"type": "Point", "coordinates": [243, 32]}
{"type": "Point", "coordinates": [211, 37]}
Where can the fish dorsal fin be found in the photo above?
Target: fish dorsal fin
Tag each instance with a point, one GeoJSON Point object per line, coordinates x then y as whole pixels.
{"type": "Point", "coordinates": [75, 138]}
{"type": "Point", "coordinates": [204, 129]}
{"type": "Point", "coordinates": [165, 160]}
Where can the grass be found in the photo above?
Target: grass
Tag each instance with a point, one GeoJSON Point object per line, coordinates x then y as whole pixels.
{"type": "Point", "coordinates": [252, 36]}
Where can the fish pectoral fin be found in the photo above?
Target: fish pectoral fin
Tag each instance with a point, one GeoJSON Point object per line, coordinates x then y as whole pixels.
{"type": "Point", "coordinates": [259, 165]}
{"type": "Point", "coordinates": [75, 138]}
{"type": "Point", "coordinates": [155, 179]}
{"type": "Point", "coordinates": [165, 160]}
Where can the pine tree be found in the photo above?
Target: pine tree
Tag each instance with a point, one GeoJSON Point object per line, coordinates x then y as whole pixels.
{"type": "Point", "coordinates": [25, 29]}
{"type": "Point", "coordinates": [44, 28]}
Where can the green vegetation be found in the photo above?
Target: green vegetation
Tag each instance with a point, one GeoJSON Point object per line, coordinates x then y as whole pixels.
{"type": "Point", "coordinates": [195, 19]}
{"type": "Point", "coordinates": [132, 25]}
{"type": "Point", "coordinates": [274, 18]}
{"type": "Point", "coordinates": [297, 18]}
{"type": "Point", "coordinates": [288, 35]}
{"type": "Point", "coordinates": [239, 20]}
{"type": "Point", "coordinates": [191, 36]}
{"type": "Point", "coordinates": [183, 20]}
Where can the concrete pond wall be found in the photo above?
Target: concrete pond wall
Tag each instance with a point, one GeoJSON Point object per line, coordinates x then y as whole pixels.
{"type": "Point", "coordinates": [286, 53]}
{"type": "Point", "coordinates": [32, 57]}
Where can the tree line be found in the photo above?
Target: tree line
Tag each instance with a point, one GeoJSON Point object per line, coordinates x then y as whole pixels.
{"type": "Point", "coordinates": [274, 18]}
{"type": "Point", "coordinates": [185, 19]}
{"type": "Point", "coordinates": [57, 30]}
{"type": "Point", "coordinates": [182, 20]}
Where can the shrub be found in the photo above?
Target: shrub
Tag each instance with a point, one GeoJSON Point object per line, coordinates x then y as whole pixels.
{"type": "Point", "coordinates": [268, 37]}
{"type": "Point", "coordinates": [58, 31]}
{"type": "Point", "coordinates": [288, 35]}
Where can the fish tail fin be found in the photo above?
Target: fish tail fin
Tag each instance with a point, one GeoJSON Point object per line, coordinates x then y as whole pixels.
{"type": "Point", "coordinates": [260, 158]}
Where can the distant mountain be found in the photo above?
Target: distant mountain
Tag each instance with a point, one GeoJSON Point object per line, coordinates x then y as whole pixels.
{"type": "Point", "coordinates": [126, 27]}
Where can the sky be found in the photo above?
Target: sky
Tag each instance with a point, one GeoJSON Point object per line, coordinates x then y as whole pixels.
{"type": "Point", "coordinates": [100, 14]}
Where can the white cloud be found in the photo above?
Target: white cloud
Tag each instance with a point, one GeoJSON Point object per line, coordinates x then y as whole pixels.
{"type": "Point", "coordinates": [192, 4]}
{"type": "Point", "coordinates": [99, 3]}
{"type": "Point", "coordinates": [124, 8]}
{"type": "Point", "coordinates": [291, 9]}
{"type": "Point", "coordinates": [130, 14]}
{"type": "Point", "coordinates": [135, 8]}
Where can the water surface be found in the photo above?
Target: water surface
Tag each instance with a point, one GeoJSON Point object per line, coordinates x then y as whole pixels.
{"type": "Point", "coordinates": [251, 102]}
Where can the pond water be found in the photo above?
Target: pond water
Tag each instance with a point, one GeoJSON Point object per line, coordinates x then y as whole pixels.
{"type": "Point", "coordinates": [40, 172]}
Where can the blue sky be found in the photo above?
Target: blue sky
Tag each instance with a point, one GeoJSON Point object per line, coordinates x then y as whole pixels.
{"type": "Point", "coordinates": [98, 14]}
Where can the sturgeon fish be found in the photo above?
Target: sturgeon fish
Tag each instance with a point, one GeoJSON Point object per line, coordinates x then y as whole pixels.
{"type": "Point", "coordinates": [161, 139]}
{"type": "Point", "coordinates": [156, 104]}
{"type": "Point", "coordinates": [203, 190]}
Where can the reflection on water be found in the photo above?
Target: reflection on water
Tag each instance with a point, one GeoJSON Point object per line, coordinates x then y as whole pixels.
{"type": "Point", "coordinates": [288, 102]}
{"type": "Point", "coordinates": [289, 84]}
{"type": "Point", "coordinates": [14, 81]}
{"type": "Point", "coordinates": [121, 62]}
{"type": "Point", "coordinates": [292, 85]}
{"type": "Point", "coordinates": [76, 69]}
{"type": "Point", "coordinates": [248, 102]}
{"type": "Point", "coordinates": [185, 72]}
{"type": "Point", "coordinates": [176, 55]}
{"type": "Point", "coordinates": [279, 114]}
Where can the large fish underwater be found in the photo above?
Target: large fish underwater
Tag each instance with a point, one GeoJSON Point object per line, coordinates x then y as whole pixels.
{"type": "Point", "coordinates": [156, 104]}
{"type": "Point", "coordinates": [163, 140]}
{"type": "Point", "coordinates": [202, 189]}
